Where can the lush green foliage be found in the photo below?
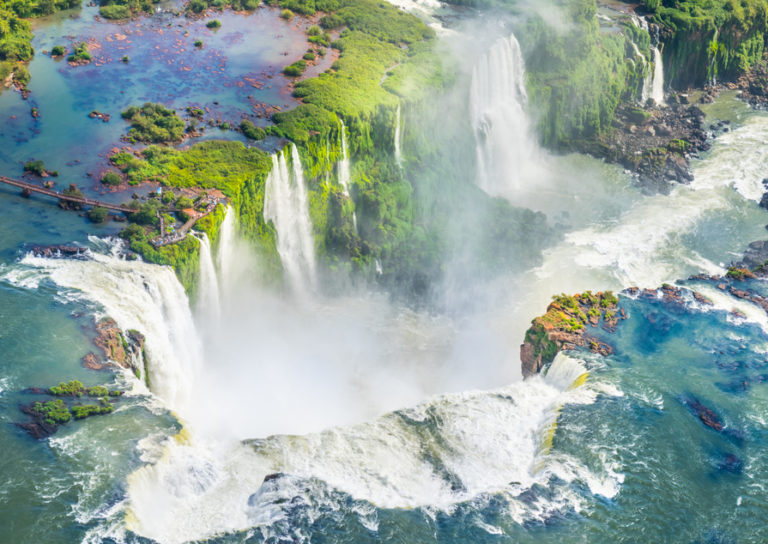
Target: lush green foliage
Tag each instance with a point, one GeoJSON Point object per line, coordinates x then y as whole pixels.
{"type": "Point", "coordinates": [111, 178]}
{"type": "Point", "coordinates": [295, 69]}
{"type": "Point", "coordinates": [251, 131]}
{"type": "Point", "coordinates": [97, 214]}
{"type": "Point", "coordinates": [73, 388]}
{"type": "Point", "coordinates": [35, 167]}
{"type": "Point", "coordinates": [705, 39]}
{"type": "Point", "coordinates": [213, 23]}
{"type": "Point", "coordinates": [80, 53]}
{"type": "Point", "coordinates": [53, 412]}
{"type": "Point", "coordinates": [58, 51]}
{"type": "Point", "coordinates": [86, 410]}
{"type": "Point", "coordinates": [154, 123]}
{"type": "Point", "coordinates": [577, 77]}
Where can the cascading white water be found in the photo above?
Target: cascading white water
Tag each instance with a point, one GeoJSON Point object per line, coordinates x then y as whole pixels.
{"type": "Point", "coordinates": [645, 94]}
{"type": "Point", "coordinates": [506, 150]}
{"type": "Point", "coordinates": [398, 136]}
{"type": "Point", "coordinates": [657, 88]}
{"type": "Point", "coordinates": [344, 169]}
{"type": "Point", "coordinates": [208, 298]}
{"type": "Point", "coordinates": [225, 256]}
{"type": "Point", "coordinates": [144, 297]}
{"type": "Point", "coordinates": [484, 441]}
{"type": "Point", "coordinates": [286, 204]}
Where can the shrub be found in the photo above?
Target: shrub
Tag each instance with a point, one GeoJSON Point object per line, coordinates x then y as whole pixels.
{"type": "Point", "coordinates": [115, 11]}
{"type": "Point", "coordinates": [111, 178]}
{"type": "Point", "coordinates": [286, 14]}
{"type": "Point", "coordinates": [215, 23]}
{"type": "Point", "coordinates": [126, 58]}
{"type": "Point", "coordinates": [58, 50]}
{"type": "Point", "coordinates": [35, 167]}
{"type": "Point", "coordinates": [97, 214]}
{"type": "Point", "coordinates": [295, 69]}
{"type": "Point", "coordinates": [329, 22]}
{"type": "Point", "coordinates": [198, 43]}
{"type": "Point", "coordinates": [73, 388]}
{"type": "Point", "coordinates": [80, 53]}
{"type": "Point", "coordinates": [314, 30]}
{"type": "Point", "coordinates": [152, 123]}
{"type": "Point", "coordinates": [53, 412]}
{"type": "Point", "coordinates": [251, 131]}
{"type": "Point", "coordinates": [309, 56]}
{"type": "Point", "coordinates": [184, 202]}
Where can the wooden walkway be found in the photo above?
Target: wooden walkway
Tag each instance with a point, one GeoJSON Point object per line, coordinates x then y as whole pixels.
{"type": "Point", "coordinates": [61, 196]}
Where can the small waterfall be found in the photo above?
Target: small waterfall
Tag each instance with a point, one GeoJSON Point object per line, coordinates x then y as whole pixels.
{"type": "Point", "coordinates": [648, 81]}
{"type": "Point", "coordinates": [344, 169]}
{"type": "Point", "coordinates": [398, 136]}
{"type": "Point", "coordinates": [286, 204]}
{"type": "Point", "coordinates": [505, 147]}
{"type": "Point", "coordinates": [208, 297]}
{"type": "Point", "coordinates": [657, 89]}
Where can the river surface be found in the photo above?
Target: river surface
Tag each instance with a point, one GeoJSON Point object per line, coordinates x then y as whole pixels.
{"type": "Point", "coordinates": [380, 422]}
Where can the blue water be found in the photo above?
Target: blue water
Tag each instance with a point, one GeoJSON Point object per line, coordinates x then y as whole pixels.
{"type": "Point", "coordinates": [629, 460]}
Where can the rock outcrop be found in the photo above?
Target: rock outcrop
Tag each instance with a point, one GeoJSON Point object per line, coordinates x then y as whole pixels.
{"type": "Point", "coordinates": [116, 347]}
{"type": "Point", "coordinates": [655, 143]}
{"type": "Point", "coordinates": [565, 326]}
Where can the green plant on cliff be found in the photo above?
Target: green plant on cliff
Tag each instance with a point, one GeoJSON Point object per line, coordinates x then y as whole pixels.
{"type": "Point", "coordinates": [704, 39]}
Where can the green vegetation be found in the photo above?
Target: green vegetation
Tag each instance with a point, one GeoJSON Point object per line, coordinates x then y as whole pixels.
{"type": "Point", "coordinates": [251, 131]}
{"type": "Point", "coordinates": [97, 214]}
{"type": "Point", "coordinates": [309, 55]}
{"type": "Point", "coordinates": [53, 412]}
{"type": "Point", "coordinates": [198, 6]}
{"type": "Point", "coordinates": [74, 388]}
{"type": "Point", "coordinates": [111, 178]}
{"type": "Point", "coordinates": [35, 167]}
{"type": "Point", "coordinates": [214, 23]}
{"type": "Point", "coordinates": [705, 39]}
{"type": "Point", "coordinates": [286, 14]}
{"type": "Point", "coordinates": [115, 11]}
{"type": "Point", "coordinates": [86, 410]}
{"type": "Point", "coordinates": [58, 51]}
{"type": "Point", "coordinates": [80, 53]}
{"type": "Point", "coordinates": [739, 274]}
{"type": "Point", "coordinates": [295, 69]}
{"type": "Point", "coordinates": [198, 43]}
{"type": "Point", "coordinates": [154, 123]}
{"type": "Point", "coordinates": [126, 59]}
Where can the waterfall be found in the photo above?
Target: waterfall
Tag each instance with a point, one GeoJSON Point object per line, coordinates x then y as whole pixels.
{"type": "Point", "coordinates": [657, 89]}
{"type": "Point", "coordinates": [398, 136]}
{"type": "Point", "coordinates": [648, 81]}
{"type": "Point", "coordinates": [498, 100]}
{"type": "Point", "coordinates": [344, 170]}
{"type": "Point", "coordinates": [286, 204]}
{"type": "Point", "coordinates": [144, 297]}
{"type": "Point", "coordinates": [226, 253]}
{"type": "Point", "coordinates": [208, 297]}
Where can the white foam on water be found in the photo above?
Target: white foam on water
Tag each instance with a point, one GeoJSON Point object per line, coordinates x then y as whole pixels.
{"type": "Point", "coordinates": [727, 303]}
{"type": "Point", "coordinates": [434, 455]}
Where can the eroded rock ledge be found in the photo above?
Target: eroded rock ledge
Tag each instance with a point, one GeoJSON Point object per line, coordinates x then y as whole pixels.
{"type": "Point", "coordinates": [655, 143]}
{"type": "Point", "coordinates": [566, 325]}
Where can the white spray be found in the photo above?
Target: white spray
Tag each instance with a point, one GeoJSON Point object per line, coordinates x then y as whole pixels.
{"type": "Point", "coordinates": [286, 204]}
{"type": "Point", "coordinates": [344, 169]}
{"type": "Point", "coordinates": [505, 147]}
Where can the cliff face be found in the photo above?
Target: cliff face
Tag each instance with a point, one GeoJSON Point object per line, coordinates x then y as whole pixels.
{"type": "Point", "coordinates": [706, 40]}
